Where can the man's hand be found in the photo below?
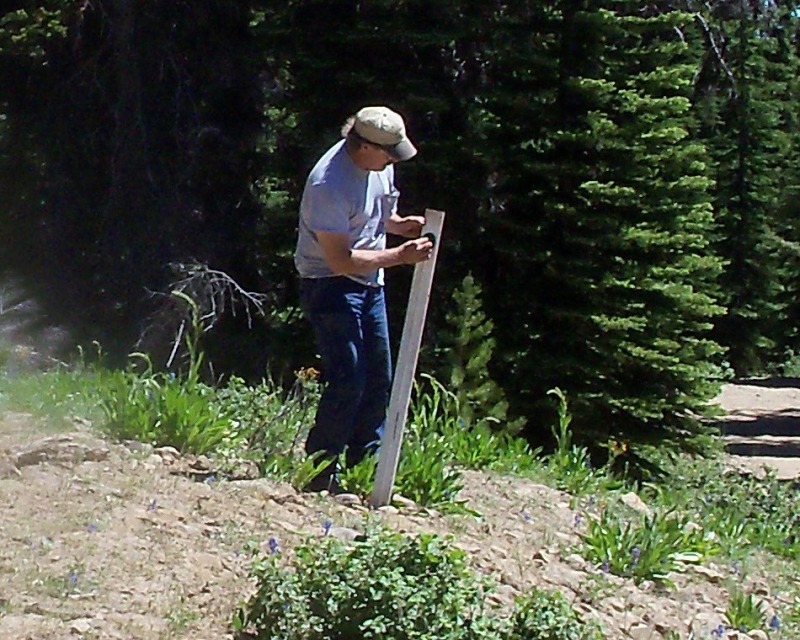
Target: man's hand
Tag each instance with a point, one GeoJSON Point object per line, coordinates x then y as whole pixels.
{"type": "Point", "coordinates": [414, 251]}
{"type": "Point", "coordinates": [408, 227]}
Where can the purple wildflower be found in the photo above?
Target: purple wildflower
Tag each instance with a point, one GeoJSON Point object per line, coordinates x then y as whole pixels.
{"type": "Point", "coordinates": [92, 527]}
{"type": "Point", "coordinates": [72, 578]}
{"type": "Point", "coordinates": [274, 549]}
{"type": "Point", "coordinates": [153, 505]}
{"type": "Point", "coordinates": [636, 553]}
{"type": "Point", "coordinates": [326, 526]}
{"type": "Point", "coordinates": [605, 567]}
{"type": "Point", "coordinates": [775, 623]}
{"type": "Point", "coordinates": [578, 519]}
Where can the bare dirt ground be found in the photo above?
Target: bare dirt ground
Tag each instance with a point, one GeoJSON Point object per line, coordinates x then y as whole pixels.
{"type": "Point", "coordinates": [105, 541]}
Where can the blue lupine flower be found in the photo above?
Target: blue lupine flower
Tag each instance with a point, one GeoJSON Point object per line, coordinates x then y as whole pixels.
{"type": "Point", "coordinates": [636, 553]}
{"type": "Point", "coordinates": [605, 567]}
{"type": "Point", "coordinates": [719, 631]}
{"type": "Point", "coordinates": [526, 517]}
{"type": "Point", "coordinates": [273, 546]}
{"type": "Point", "coordinates": [577, 519]}
{"type": "Point", "coordinates": [775, 623]}
{"type": "Point", "coordinates": [326, 526]}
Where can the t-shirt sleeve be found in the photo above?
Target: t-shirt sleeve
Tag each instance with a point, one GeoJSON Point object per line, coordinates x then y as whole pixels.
{"type": "Point", "coordinates": [328, 209]}
{"type": "Point", "coordinates": [394, 192]}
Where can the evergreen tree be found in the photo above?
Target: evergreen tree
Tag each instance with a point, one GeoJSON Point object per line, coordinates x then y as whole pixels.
{"type": "Point", "coordinates": [783, 94]}
{"type": "Point", "coordinates": [607, 288]}
{"type": "Point", "coordinates": [463, 358]}
{"type": "Point", "coordinates": [743, 116]}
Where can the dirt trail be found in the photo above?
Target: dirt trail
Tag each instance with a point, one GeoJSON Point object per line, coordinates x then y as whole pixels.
{"type": "Point", "coordinates": [762, 425]}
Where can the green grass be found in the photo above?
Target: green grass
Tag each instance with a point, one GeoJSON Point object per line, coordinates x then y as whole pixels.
{"type": "Point", "coordinates": [56, 396]}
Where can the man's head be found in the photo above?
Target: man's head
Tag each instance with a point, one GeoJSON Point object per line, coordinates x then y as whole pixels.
{"type": "Point", "coordinates": [378, 136]}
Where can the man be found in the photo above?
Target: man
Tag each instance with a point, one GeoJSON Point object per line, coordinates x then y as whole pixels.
{"type": "Point", "coordinates": [349, 204]}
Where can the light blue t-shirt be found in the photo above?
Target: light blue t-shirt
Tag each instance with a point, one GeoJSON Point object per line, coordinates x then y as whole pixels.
{"type": "Point", "coordinates": [342, 198]}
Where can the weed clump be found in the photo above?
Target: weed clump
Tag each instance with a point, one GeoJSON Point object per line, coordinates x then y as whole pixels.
{"type": "Point", "coordinates": [386, 585]}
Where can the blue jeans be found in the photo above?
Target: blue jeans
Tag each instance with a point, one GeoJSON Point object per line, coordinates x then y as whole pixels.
{"type": "Point", "coordinates": [352, 335]}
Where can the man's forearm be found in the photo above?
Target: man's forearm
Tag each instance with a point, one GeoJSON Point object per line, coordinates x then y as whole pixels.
{"type": "Point", "coordinates": [364, 261]}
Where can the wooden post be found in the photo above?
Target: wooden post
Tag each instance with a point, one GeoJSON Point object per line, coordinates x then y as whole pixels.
{"type": "Point", "coordinates": [406, 366]}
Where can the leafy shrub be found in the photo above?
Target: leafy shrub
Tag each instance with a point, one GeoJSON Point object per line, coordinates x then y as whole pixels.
{"type": "Point", "coordinates": [273, 423]}
{"type": "Point", "coordinates": [543, 615]}
{"type": "Point", "coordinates": [646, 550]}
{"type": "Point", "coordinates": [389, 586]}
{"type": "Point", "coordinates": [383, 586]}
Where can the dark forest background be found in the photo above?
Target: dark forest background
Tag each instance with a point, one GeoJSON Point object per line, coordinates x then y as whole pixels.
{"type": "Point", "coordinates": [619, 178]}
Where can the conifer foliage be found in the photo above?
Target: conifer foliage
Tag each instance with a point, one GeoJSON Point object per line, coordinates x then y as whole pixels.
{"type": "Point", "coordinates": [748, 115]}
{"type": "Point", "coordinates": [464, 349]}
{"type": "Point", "coordinates": [618, 180]}
{"type": "Point", "coordinates": [608, 277]}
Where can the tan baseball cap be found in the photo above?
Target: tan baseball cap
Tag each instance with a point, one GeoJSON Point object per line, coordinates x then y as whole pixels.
{"type": "Point", "coordinates": [382, 126]}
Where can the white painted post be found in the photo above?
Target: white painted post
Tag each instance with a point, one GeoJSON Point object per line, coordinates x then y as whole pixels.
{"type": "Point", "coordinates": [406, 365]}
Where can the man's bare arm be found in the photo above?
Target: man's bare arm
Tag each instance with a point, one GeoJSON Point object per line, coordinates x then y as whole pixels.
{"type": "Point", "coordinates": [343, 260]}
{"type": "Point", "coordinates": [407, 226]}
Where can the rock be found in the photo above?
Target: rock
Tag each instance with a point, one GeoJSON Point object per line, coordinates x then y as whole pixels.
{"type": "Point", "coordinates": [344, 533]}
{"type": "Point", "coordinates": [618, 604]}
{"type": "Point", "coordinates": [757, 634]}
{"type": "Point", "coordinates": [347, 499]}
{"type": "Point", "coordinates": [8, 469]}
{"type": "Point", "coordinates": [155, 460]}
{"type": "Point", "coordinates": [577, 562]}
{"type": "Point", "coordinates": [646, 585]}
{"type": "Point", "coordinates": [168, 454]}
{"type": "Point", "coordinates": [704, 623]}
{"type": "Point", "coordinates": [761, 588]}
{"type": "Point", "coordinates": [61, 450]}
{"type": "Point", "coordinates": [542, 556]}
{"type": "Point", "coordinates": [710, 574]}
{"type": "Point", "coordinates": [691, 527]}
{"type": "Point", "coordinates": [203, 463]}
{"type": "Point", "coordinates": [402, 502]}
{"type": "Point", "coordinates": [643, 632]}
{"type": "Point", "coordinates": [80, 626]}
{"type": "Point", "coordinates": [389, 510]}
{"type": "Point", "coordinates": [633, 501]}
{"type": "Point", "coordinates": [136, 446]}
